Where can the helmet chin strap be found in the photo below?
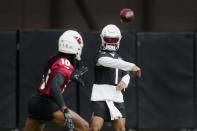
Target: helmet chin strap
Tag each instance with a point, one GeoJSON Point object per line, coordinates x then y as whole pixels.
{"type": "Point", "coordinates": [78, 57]}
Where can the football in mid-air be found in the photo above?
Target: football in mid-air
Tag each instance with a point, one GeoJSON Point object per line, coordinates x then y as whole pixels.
{"type": "Point", "coordinates": [126, 15]}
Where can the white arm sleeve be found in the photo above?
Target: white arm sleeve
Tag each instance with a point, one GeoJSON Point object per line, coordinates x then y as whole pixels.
{"type": "Point", "coordinates": [115, 63]}
{"type": "Point", "coordinates": [126, 79]}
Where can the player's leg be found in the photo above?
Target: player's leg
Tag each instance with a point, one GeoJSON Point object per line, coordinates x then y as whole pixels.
{"type": "Point", "coordinates": [119, 124]}
{"type": "Point", "coordinates": [96, 123]}
{"type": "Point", "coordinates": [79, 123]}
{"type": "Point", "coordinates": [36, 114]}
{"type": "Point", "coordinates": [99, 116]}
{"type": "Point", "coordinates": [33, 125]}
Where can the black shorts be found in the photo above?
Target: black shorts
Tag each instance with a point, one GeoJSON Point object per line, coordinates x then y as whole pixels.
{"type": "Point", "coordinates": [101, 109]}
{"type": "Point", "coordinates": [41, 108]}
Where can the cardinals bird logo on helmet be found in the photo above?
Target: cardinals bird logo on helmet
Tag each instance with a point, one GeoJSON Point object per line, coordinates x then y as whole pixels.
{"type": "Point", "coordinates": [71, 42]}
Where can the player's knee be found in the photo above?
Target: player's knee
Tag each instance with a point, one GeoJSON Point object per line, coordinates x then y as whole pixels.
{"type": "Point", "coordinates": [121, 129]}
{"type": "Point", "coordinates": [95, 128]}
{"type": "Point", "coordinates": [32, 125]}
{"type": "Point", "coordinates": [85, 127]}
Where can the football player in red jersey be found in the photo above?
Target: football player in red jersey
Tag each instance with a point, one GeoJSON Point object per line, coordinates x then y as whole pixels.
{"type": "Point", "coordinates": [47, 104]}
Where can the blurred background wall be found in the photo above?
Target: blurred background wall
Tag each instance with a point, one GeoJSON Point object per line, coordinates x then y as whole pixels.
{"type": "Point", "coordinates": [90, 15]}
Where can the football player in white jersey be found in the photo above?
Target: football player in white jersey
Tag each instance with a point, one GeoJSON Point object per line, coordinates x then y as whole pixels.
{"type": "Point", "coordinates": [111, 77]}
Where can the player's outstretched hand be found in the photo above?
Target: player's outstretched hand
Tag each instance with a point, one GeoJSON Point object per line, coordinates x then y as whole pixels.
{"type": "Point", "coordinates": [121, 85]}
{"type": "Point", "coordinates": [78, 73]}
{"type": "Point", "coordinates": [136, 71]}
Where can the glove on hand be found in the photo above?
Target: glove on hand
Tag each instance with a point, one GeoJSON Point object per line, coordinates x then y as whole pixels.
{"type": "Point", "coordinates": [78, 73]}
{"type": "Point", "coordinates": [68, 120]}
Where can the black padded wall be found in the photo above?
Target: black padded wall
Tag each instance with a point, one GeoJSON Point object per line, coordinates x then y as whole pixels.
{"type": "Point", "coordinates": [91, 46]}
{"type": "Point", "coordinates": [8, 80]}
{"type": "Point", "coordinates": [128, 52]}
{"type": "Point", "coordinates": [195, 77]}
{"type": "Point", "coordinates": [166, 97]}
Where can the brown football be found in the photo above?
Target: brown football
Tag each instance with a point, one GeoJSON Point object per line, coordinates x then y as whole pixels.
{"type": "Point", "coordinates": [126, 15]}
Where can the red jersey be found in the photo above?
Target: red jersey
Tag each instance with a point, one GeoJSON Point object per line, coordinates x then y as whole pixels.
{"type": "Point", "coordinates": [61, 65]}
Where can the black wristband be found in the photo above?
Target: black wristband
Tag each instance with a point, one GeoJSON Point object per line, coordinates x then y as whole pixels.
{"type": "Point", "coordinates": [65, 110]}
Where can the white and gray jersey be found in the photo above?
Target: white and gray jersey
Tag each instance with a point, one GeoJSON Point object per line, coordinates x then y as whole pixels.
{"type": "Point", "coordinates": [110, 69]}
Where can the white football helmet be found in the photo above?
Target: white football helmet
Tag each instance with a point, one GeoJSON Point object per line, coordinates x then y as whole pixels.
{"type": "Point", "coordinates": [110, 37]}
{"type": "Point", "coordinates": [71, 42]}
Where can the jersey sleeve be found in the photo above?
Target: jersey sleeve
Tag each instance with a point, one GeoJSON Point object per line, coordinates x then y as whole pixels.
{"type": "Point", "coordinates": [115, 63]}
{"type": "Point", "coordinates": [126, 79]}
{"type": "Point", "coordinates": [104, 59]}
{"type": "Point", "coordinates": [56, 82]}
